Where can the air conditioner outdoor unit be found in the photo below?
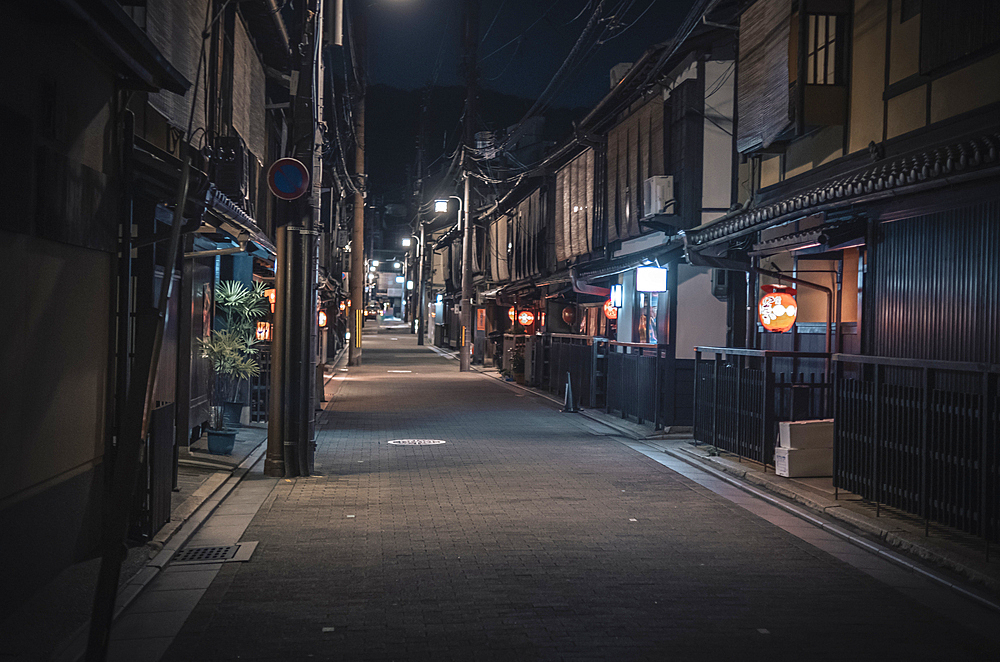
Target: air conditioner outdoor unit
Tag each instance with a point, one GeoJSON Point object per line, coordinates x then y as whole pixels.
{"type": "Point", "coordinates": [658, 195]}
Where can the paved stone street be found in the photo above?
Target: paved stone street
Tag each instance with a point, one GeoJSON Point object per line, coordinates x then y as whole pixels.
{"type": "Point", "coordinates": [533, 534]}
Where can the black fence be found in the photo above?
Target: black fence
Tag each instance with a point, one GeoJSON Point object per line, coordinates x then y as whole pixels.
{"type": "Point", "coordinates": [740, 395]}
{"type": "Point", "coordinates": [633, 380]}
{"type": "Point", "coordinates": [921, 436]}
{"type": "Point", "coordinates": [576, 356]}
{"type": "Point", "coordinates": [260, 386]}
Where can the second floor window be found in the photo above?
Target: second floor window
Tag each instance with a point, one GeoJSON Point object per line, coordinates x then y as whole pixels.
{"type": "Point", "coordinates": [823, 56]}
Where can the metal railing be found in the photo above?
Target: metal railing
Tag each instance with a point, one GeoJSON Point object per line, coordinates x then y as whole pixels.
{"type": "Point", "coordinates": [921, 436]}
{"type": "Point", "coordinates": [260, 385]}
{"type": "Point", "coordinates": [634, 380]}
{"type": "Point", "coordinates": [740, 395]}
{"type": "Point", "coordinates": [576, 356]}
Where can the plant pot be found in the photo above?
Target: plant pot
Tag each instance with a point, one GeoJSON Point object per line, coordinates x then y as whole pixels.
{"type": "Point", "coordinates": [220, 442]}
{"type": "Point", "coordinates": [231, 414]}
{"type": "Point", "coordinates": [519, 377]}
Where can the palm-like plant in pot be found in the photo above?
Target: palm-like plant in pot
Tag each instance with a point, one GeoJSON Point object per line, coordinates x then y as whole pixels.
{"type": "Point", "coordinates": [231, 349]}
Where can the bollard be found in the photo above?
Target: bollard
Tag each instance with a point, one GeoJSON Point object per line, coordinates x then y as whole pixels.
{"type": "Point", "coordinates": [569, 403]}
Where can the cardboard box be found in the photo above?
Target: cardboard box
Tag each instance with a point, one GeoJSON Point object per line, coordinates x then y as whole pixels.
{"type": "Point", "coordinates": [806, 434]}
{"type": "Point", "coordinates": [803, 463]}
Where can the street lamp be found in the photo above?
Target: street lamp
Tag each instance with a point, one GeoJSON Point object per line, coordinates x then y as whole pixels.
{"type": "Point", "coordinates": [441, 206]}
{"type": "Point", "coordinates": [465, 342]}
{"type": "Point", "coordinates": [406, 242]}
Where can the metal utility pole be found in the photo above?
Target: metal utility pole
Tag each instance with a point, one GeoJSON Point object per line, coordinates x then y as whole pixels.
{"type": "Point", "coordinates": [421, 287]}
{"type": "Point", "coordinates": [357, 310]}
{"type": "Point", "coordinates": [470, 40]}
{"type": "Point", "coordinates": [292, 405]}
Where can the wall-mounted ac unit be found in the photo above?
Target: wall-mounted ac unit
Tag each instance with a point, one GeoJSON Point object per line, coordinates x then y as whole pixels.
{"type": "Point", "coordinates": [658, 195]}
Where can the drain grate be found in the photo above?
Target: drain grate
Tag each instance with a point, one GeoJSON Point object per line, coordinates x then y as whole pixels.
{"type": "Point", "coordinates": [205, 554]}
{"type": "Point", "coordinates": [222, 554]}
{"type": "Point", "coordinates": [416, 442]}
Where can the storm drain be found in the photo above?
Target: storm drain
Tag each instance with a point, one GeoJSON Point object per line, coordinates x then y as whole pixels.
{"type": "Point", "coordinates": [221, 554]}
{"type": "Point", "coordinates": [416, 442]}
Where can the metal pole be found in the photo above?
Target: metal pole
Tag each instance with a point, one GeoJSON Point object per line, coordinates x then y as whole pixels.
{"type": "Point", "coordinates": [422, 289]}
{"type": "Point", "coordinates": [465, 348]}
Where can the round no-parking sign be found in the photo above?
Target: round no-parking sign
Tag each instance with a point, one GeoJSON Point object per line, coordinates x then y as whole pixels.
{"type": "Point", "coordinates": [288, 179]}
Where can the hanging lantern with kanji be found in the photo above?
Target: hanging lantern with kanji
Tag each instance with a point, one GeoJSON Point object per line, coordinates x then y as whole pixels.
{"type": "Point", "coordinates": [526, 318]}
{"type": "Point", "coordinates": [321, 318]}
{"type": "Point", "coordinates": [777, 308]}
{"type": "Point", "coordinates": [610, 310]}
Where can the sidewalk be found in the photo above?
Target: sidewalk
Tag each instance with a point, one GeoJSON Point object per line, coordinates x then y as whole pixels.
{"type": "Point", "coordinates": [957, 553]}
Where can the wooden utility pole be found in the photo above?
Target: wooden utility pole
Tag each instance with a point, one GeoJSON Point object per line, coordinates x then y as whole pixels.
{"type": "Point", "coordinates": [470, 42]}
{"type": "Point", "coordinates": [358, 275]}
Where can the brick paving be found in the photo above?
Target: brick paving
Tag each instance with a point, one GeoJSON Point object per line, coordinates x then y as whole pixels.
{"type": "Point", "coordinates": [529, 534]}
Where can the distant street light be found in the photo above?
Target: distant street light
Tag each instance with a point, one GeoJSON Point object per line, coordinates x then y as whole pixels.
{"type": "Point", "coordinates": [406, 242]}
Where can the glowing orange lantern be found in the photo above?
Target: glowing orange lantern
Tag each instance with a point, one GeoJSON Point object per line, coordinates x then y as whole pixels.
{"type": "Point", "coordinates": [777, 308]}
{"type": "Point", "coordinates": [272, 296]}
{"type": "Point", "coordinates": [569, 315]}
{"type": "Point", "coordinates": [526, 318]}
{"type": "Point", "coordinates": [511, 314]}
{"type": "Point", "coordinates": [610, 311]}
{"type": "Point", "coordinates": [264, 331]}
{"type": "Point", "coordinates": [322, 318]}
{"type": "Point", "coordinates": [343, 306]}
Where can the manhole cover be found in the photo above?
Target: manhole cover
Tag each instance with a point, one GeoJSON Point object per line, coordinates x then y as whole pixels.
{"type": "Point", "coordinates": [416, 442]}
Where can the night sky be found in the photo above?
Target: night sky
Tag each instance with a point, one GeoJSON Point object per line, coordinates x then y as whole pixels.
{"type": "Point", "coordinates": [416, 42]}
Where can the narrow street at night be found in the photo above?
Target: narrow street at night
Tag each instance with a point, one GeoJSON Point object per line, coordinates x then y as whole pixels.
{"type": "Point", "coordinates": [528, 534]}
{"type": "Point", "coordinates": [500, 330]}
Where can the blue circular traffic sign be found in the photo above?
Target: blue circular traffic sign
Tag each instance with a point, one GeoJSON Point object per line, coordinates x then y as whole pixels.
{"type": "Point", "coordinates": [288, 179]}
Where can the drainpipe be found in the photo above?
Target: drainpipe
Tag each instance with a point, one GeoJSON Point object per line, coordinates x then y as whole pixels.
{"type": "Point", "coordinates": [586, 288]}
{"type": "Point", "coordinates": [221, 251]}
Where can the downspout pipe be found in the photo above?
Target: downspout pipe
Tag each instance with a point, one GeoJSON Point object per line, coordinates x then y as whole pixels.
{"type": "Point", "coordinates": [275, 11]}
{"type": "Point", "coordinates": [581, 287]}
{"type": "Point", "coordinates": [219, 251]}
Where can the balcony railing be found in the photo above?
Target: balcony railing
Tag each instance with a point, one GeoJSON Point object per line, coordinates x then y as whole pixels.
{"type": "Point", "coordinates": [921, 436]}
{"type": "Point", "coordinates": [740, 395]}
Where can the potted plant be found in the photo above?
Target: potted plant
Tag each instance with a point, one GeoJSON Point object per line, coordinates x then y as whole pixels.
{"type": "Point", "coordinates": [231, 352]}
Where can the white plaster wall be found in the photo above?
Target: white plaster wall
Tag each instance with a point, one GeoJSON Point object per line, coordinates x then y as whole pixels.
{"type": "Point", "coordinates": [701, 318]}
{"type": "Point", "coordinates": [717, 174]}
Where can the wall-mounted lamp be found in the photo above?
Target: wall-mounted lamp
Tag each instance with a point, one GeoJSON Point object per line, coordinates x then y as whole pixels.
{"type": "Point", "coordinates": [617, 295]}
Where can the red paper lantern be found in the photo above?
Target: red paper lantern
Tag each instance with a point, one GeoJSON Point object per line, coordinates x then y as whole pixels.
{"type": "Point", "coordinates": [569, 315]}
{"type": "Point", "coordinates": [322, 319]}
{"type": "Point", "coordinates": [272, 296]}
{"type": "Point", "coordinates": [777, 308]}
{"type": "Point", "coordinates": [610, 311]}
{"type": "Point", "coordinates": [511, 314]}
{"type": "Point", "coordinates": [526, 318]}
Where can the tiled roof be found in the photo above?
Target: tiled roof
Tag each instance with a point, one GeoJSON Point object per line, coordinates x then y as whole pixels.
{"type": "Point", "coordinates": [935, 163]}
